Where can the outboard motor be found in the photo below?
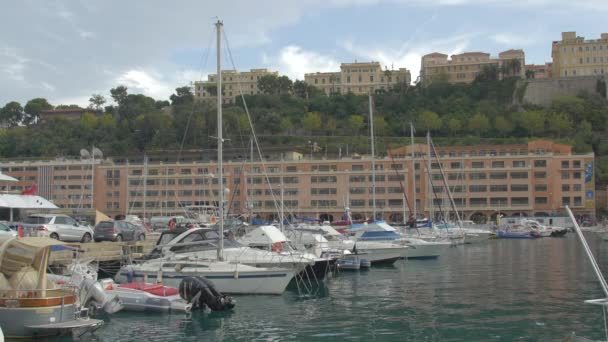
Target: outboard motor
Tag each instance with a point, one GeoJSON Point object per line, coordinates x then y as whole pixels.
{"type": "Point", "coordinates": [200, 292]}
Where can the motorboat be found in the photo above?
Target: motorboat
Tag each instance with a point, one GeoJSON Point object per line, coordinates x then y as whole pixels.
{"type": "Point", "coordinates": [201, 243]}
{"type": "Point", "coordinates": [271, 240]}
{"type": "Point", "coordinates": [227, 277]}
{"type": "Point", "coordinates": [421, 249]}
{"type": "Point", "coordinates": [349, 263]}
{"type": "Point", "coordinates": [542, 230]}
{"type": "Point", "coordinates": [143, 296]}
{"type": "Point", "coordinates": [31, 305]}
{"type": "Point", "coordinates": [517, 232]}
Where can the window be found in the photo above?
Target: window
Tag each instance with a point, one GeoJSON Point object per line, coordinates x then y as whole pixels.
{"type": "Point", "coordinates": [540, 174]}
{"type": "Point", "coordinates": [477, 176]}
{"type": "Point", "coordinates": [577, 187]}
{"type": "Point", "coordinates": [455, 165]}
{"type": "Point", "coordinates": [396, 178]}
{"type": "Point", "coordinates": [323, 191]}
{"type": "Point", "coordinates": [565, 201]}
{"type": "Point", "coordinates": [357, 191]}
{"type": "Point", "coordinates": [565, 164]}
{"type": "Point", "coordinates": [498, 164]}
{"type": "Point", "coordinates": [323, 179]}
{"type": "Point", "coordinates": [519, 175]}
{"type": "Point", "coordinates": [576, 175]}
{"type": "Point", "coordinates": [565, 187]}
{"type": "Point", "coordinates": [477, 165]}
{"type": "Point", "coordinates": [540, 187]}
{"type": "Point", "coordinates": [498, 187]}
{"type": "Point", "coordinates": [379, 178]}
{"type": "Point", "coordinates": [576, 164]}
{"type": "Point", "coordinates": [578, 201]}
{"type": "Point", "coordinates": [395, 202]}
{"type": "Point", "coordinates": [498, 175]}
{"type": "Point", "coordinates": [357, 179]}
{"type": "Point", "coordinates": [291, 169]}
{"type": "Point", "coordinates": [519, 163]}
{"type": "Point", "coordinates": [396, 166]}
{"type": "Point", "coordinates": [357, 203]}
{"type": "Point", "coordinates": [357, 167]}
{"type": "Point", "coordinates": [478, 188]}
{"type": "Point", "coordinates": [565, 175]}
{"type": "Point", "coordinates": [540, 200]}
{"type": "Point", "coordinates": [479, 201]}
{"type": "Point", "coordinates": [379, 203]}
{"type": "Point", "coordinates": [519, 187]}
{"type": "Point", "coordinates": [515, 201]}
{"type": "Point", "coordinates": [499, 201]}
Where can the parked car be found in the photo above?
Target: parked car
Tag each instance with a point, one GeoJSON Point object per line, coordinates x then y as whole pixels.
{"type": "Point", "coordinates": [5, 229]}
{"type": "Point", "coordinates": [118, 231]}
{"type": "Point", "coordinates": [60, 227]}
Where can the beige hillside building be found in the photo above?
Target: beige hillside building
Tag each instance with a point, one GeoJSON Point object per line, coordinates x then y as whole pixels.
{"type": "Point", "coordinates": [464, 67]}
{"type": "Point", "coordinates": [574, 56]}
{"type": "Point", "coordinates": [358, 78]}
{"type": "Point", "coordinates": [234, 83]}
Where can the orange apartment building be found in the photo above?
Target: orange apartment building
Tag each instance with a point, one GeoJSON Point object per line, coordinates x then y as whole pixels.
{"type": "Point", "coordinates": [537, 178]}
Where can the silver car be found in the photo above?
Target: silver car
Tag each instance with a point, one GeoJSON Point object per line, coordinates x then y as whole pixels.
{"type": "Point", "coordinates": [60, 227]}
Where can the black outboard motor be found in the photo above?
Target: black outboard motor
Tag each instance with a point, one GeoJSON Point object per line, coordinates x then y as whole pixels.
{"type": "Point", "coordinates": [200, 292]}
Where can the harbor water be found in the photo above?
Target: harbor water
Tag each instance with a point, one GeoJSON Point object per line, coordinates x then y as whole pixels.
{"type": "Point", "coordinates": [501, 290]}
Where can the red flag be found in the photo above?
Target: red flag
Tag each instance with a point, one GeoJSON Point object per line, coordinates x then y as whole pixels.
{"type": "Point", "coordinates": [30, 191]}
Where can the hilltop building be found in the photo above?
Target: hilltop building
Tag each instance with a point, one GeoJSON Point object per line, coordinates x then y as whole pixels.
{"type": "Point", "coordinates": [540, 71]}
{"type": "Point", "coordinates": [573, 56]}
{"type": "Point", "coordinates": [233, 83]}
{"type": "Point", "coordinates": [359, 78]}
{"type": "Point", "coordinates": [464, 67]}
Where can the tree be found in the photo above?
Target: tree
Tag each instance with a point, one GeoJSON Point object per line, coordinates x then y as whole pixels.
{"type": "Point", "coordinates": [573, 106]}
{"type": "Point", "coordinates": [530, 74]}
{"type": "Point", "coordinates": [284, 85]}
{"type": "Point", "coordinates": [268, 84]}
{"type": "Point", "coordinates": [533, 121]}
{"type": "Point", "coordinates": [503, 125]}
{"type": "Point", "coordinates": [379, 125]}
{"type": "Point", "coordinates": [479, 124]}
{"type": "Point", "coordinates": [489, 72]}
{"type": "Point", "coordinates": [559, 124]}
{"type": "Point", "coordinates": [33, 108]}
{"type": "Point", "coordinates": [96, 102]}
{"type": "Point", "coordinates": [11, 114]}
{"type": "Point", "coordinates": [311, 121]}
{"type": "Point", "coordinates": [183, 95]}
{"type": "Point", "coordinates": [428, 121]}
{"type": "Point", "coordinates": [119, 94]}
{"type": "Point", "coordinates": [355, 124]}
{"type": "Point", "coordinates": [454, 125]}
{"type": "Point", "coordinates": [300, 89]}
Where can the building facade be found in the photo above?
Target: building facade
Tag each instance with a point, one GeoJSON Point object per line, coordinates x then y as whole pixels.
{"type": "Point", "coordinates": [358, 78]}
{"type": "Point", "coordinates": [540, 71]}
{"type": "Point", "coordinates": [538, 178]}
{"type": "Point", "coordinates": [464, 67]}
{"type": "Point", "coordinates": [234, 83]}
{"type": "Point", "coordinates": [573, 56]}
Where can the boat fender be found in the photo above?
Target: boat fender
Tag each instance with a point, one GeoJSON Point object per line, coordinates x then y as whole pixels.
{"type": "Point", "coordinates": [201, 293]}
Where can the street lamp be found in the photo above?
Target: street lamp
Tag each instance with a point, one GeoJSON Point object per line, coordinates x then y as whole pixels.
{"type": "Point", "coordinates": [86, 154]}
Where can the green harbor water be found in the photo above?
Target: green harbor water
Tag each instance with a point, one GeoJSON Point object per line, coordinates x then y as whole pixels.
{"type": "Point", "coordinates": [502, 290]}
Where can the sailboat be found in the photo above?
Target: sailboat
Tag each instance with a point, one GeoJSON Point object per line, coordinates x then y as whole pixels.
{"type": "Point", "coordinates": [228, 277]}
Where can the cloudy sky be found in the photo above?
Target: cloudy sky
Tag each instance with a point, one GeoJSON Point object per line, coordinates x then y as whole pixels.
{"type": "Point", "coordinates": [67, 50]}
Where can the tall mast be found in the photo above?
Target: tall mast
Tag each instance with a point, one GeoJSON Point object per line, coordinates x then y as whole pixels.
{"type": "Point", "coordinates": [413, 167]}
{"type": "Point", "coordinates": [146, 183]}
{"type": "Point", "coordinates": [430, 176]}
{"type": "Point", "coordinates": [220, 141]}
{"type": "Point", "coordinates": [371, 128]}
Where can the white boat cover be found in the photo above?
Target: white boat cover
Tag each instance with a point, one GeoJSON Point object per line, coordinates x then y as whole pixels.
{"type": "Point", "coordinates": [264, 235]}
{"type": "Point", "coordinates": [25, 202]}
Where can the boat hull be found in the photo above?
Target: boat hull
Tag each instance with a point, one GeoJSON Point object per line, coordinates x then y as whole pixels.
{"type": "Point", "coordinates": [320, 269]}
{"type": "Point", "coordinates": [45, 321]}
{"type": "Point", "coordinates": [426, 251]}
{"type": "Point", "coordinates": [510, 235]}
{"type": "Point", "coordinates": [380, 255]}
{"type": "Point", "coordinates": [268, 282]}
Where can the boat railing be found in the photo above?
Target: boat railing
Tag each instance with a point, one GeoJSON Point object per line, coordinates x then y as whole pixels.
{"type": "Point", "coordinates": [37, 297]}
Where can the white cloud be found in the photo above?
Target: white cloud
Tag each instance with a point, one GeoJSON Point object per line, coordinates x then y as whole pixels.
{"type": "Point", "coordinates": [294, 62]}
{"type": "Point", "coordinates": [514, 40]}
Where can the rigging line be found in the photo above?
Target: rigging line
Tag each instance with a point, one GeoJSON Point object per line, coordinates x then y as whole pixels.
{"type": "Point", "coordinates": [401, 184]}
{"type": "Point", "coordinates": [447, 188]}
{"type": "Point", "coordinates": [255, 139]}
{"type": "Point", "coordinates": [429, 173]}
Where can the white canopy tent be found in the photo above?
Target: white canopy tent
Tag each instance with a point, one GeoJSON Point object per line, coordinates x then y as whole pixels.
{"type": "Point", "coordinates": [13, 201]}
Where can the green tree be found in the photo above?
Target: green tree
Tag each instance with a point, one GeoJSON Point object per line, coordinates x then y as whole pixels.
{"type": "Point", "coordinates": [107, 122]}
{"type": "Point", "coordinates": [119, 94]}
{"type": "Point", "coordinates": [489, 72]}
{"type": "Point", "coordinates": [428, 121]}
{"type": "Point", "coordinates": [268, 84]}
{"type": "Point", "coordinates": [355, 124]}
{"type": "Point", "coordinates": [33, 108]}
{"type": "Point", "coordinates": [573, 106]}
{"type": "Point", "coordinates": [311, 121]}
{"type": "Point", "coordinates": [88, 121]}
{"type": "Point", "coordinates": [533, 121]}
{"type": "Point", "coordinates": [559, 124]}
{"type": "Point", "coordinates": [379, 125]}
{"type": "Point", "coordinates": [479, 124]}
{"type": "Point", "coordinates": [183, 95]}
{"type": "Point", "coordinates": [286, 125]}
{"type": "Point", "coordinates": [529, 74]}
{"type": "Point", "coordinates": [454, 126]}
{"type": "Point", "coordinates": [284, 85]}
{"type": "Point", "coordinates": [503, 125]}
{"type": "Point", "coordinates": [11, 114]}
{"type": "Point", "coordinates": [96, 101]}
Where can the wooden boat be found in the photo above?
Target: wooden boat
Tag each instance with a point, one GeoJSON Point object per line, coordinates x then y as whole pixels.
{"type": "Point", "coordinates": [30, 305]}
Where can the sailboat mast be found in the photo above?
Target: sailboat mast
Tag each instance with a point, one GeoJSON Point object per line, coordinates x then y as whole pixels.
{"type": "Point", "coordinates": [430, 176]}
{"type": "Point", "coordinates": [413, 168]}
{"type": "Point", "coordinates": [371, 128]}
{"type": "Point", "coordinates": [220, 142]}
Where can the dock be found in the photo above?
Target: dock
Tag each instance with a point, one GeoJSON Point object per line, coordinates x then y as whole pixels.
{"type": "Point", "coordinates": [116, 253]}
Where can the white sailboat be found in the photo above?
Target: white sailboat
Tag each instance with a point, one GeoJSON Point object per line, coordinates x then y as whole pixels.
{"type": "Point", "coordinates": [228, 277]}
